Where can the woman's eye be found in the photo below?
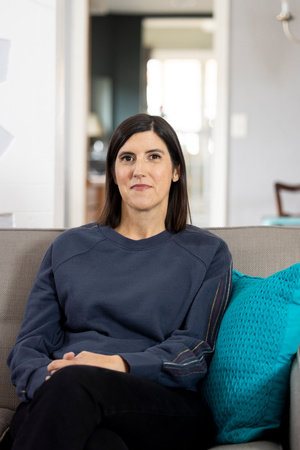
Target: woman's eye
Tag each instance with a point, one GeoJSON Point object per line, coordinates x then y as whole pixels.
{"type": "Point", "coordinates": [155, 156]}
{"type": "Point", "coordinates": [126, 158]}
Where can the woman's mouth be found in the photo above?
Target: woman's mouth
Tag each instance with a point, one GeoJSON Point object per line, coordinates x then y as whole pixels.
{"type": "Point", "coordinates": [140, 187]}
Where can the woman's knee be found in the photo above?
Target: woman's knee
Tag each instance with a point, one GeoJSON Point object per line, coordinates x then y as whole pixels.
{"type": "Point", "coordinates": [77, 377]}
{"type": "Point", "coordinates": [87, 385]}
{"type": "Point", "coordinates": [70, 375]}
{"type": "Point", "coordinates": [64, 382]}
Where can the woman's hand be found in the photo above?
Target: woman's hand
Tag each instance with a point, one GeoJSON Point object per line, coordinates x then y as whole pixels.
{"type": "Point", "coordinates": [113, 362]}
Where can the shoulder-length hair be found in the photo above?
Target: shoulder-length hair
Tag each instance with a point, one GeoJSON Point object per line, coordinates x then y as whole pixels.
{"type": "Point", "coordinates": [178, 210]}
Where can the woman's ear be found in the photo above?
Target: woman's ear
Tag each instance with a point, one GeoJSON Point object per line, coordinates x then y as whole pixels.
{"type": "Point", "coordinates": [176, 174]}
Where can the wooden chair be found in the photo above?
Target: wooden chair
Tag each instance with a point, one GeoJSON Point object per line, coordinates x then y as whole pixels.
{"type": "Point", "coordinates": [279, 187]}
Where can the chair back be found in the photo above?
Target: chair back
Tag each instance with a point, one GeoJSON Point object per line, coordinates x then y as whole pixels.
{"type": "Point", "coordinates": [279, 187]}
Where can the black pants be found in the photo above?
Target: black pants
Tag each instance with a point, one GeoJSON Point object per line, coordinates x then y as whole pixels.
{"type": "Point", "coordinates": [89, 408]}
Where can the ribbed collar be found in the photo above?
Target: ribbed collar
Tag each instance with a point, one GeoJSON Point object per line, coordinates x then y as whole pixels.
{"type": "Point", "coordinates": [131, 244]}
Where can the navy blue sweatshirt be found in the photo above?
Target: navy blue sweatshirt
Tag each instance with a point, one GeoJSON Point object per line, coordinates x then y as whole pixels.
{"type": "Point", "coordinates": [156, 302]}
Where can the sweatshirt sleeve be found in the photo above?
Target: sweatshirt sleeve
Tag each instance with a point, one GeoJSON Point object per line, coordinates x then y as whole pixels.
{"type": "Point", "coordinates": [183, 358]}
{"type": "Point", "coordinates": [40, 334]}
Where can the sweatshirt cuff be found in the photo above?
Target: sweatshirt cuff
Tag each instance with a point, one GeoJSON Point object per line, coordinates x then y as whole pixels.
{"type": "Point", "coordinates": [143, 365]}
{"type": "Point", "coordinates": [36, 379]}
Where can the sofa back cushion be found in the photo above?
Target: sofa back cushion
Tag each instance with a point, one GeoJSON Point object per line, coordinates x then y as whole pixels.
{"type": "Point", "coordinates": [261, 251]}
{"type": "Point", "coordinates": [21, 254]}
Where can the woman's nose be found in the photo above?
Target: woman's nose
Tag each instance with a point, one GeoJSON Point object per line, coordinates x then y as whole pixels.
{"type": "Point", "coordinates": [139, 168]}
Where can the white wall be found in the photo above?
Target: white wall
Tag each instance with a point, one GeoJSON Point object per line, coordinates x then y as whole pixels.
{"type": "Point", "coordinates": [27, 111]}
{"type": "Point", "coordinates": [265, 86]}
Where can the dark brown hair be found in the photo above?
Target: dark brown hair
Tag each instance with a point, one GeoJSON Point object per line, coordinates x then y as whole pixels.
{"type": "Point", "coordinates": [178, 206]}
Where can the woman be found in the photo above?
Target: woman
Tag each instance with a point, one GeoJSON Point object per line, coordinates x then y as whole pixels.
{"type": "Point", "coordinates": [122, 320]}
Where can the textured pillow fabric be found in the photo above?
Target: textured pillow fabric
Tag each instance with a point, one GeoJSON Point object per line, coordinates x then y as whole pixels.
{"type": "Point", "coordinates": [248, 378]}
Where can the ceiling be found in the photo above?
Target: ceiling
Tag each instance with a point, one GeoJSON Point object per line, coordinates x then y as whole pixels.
{"type": "Point", "coordinates": [151, 7]}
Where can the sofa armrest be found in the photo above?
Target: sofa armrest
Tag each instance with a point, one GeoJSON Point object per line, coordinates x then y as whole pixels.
{"type": "Point", "coordinates": [295, 404]}
{"type": "Point", "coordinates": [5, 419]}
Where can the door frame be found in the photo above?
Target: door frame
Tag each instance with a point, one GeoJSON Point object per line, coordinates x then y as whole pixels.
{"type": "Point", "coordinates": [220, 166]}
{"type": "Point", "coordinates": [72, 48]}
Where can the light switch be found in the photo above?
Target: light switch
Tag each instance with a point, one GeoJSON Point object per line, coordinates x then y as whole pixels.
{"type": "Point", "coordinates": [239, 126]}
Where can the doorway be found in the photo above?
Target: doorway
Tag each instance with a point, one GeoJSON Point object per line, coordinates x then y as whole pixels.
{"type": "Point", "coordinates": [173, 75]}
{"type": "Point", "coordinates": [208, 167]}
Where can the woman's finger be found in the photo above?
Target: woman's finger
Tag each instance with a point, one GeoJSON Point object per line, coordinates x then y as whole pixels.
{"type": "Point", "coordinates": [69, 355]}
{"type": "Point", "coordinates": [59, 364]}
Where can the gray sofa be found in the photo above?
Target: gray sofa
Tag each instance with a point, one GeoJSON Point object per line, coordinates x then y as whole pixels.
{"type": "Point", "coordinates": [257, 251]}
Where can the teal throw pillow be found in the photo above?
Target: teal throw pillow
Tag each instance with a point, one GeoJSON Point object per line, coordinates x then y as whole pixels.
{"type": "Point", "coordinates": [248, 379]}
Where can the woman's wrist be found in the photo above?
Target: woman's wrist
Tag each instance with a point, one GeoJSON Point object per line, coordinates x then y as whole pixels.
{"type": "Point", "coordinates": [121, 364]}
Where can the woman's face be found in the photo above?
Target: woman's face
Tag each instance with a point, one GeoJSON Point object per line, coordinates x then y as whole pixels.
{"type": "Point", "coordinates": [144, 173]}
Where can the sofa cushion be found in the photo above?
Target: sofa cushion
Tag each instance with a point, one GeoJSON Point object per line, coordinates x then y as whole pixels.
{"type": "Point", "coordinates": [248, 378]}
{"type": "Point", "coordinates": [5, 419]}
